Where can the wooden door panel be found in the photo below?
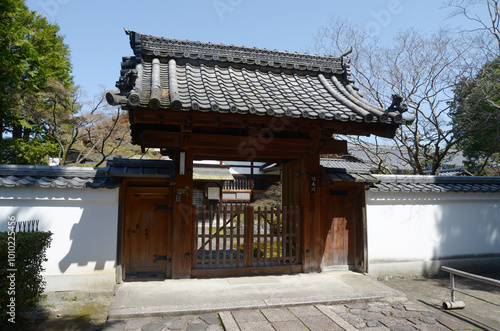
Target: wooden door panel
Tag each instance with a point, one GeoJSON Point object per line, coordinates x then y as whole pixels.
{"type": "Point", "coordinates": [341, 229]}
{"type": "Point", "coordinates": [147, 233]}
{"type": "Point", "coordinates": [339, 239]}
{"type": "Point", "coordinates": [157, 234]}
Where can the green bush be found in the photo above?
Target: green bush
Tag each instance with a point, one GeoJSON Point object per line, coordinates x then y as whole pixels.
{"type": "Point", "coordinates": [21, 289]}
{"type": "Point", "coordinates": [31, 152]}
{"type": "Point", "coordinates": [263, 250]}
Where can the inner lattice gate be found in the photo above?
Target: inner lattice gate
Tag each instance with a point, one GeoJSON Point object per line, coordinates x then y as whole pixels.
{"type": "Point", "coordinates": [236, 235]}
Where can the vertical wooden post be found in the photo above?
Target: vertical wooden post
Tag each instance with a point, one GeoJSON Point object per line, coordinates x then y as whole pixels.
{"type": "Point", "coordinates": [248, 241]}
{"type": "Point", "coordinates": [363, 242]}
{"type": "Point", "coordinates": [203, 235]}
{"type": "Point", "coordinates": [120, 271]}
{"type": "Point", "coordinates": [311, 217]}
{"type": "Point", "coordinates": [210, 237]}
{"type": "Point", "coordinates": [239, 210]}
{"type": "Point", "coordinates": [183, 217]}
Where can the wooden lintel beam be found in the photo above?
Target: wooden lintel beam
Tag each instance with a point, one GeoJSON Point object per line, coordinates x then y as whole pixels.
{"type": "Point", "coordinates": [241, 144]}
{"type": "Point", "coordinates": [259, 156]}
{"type": "Point", "coordinates": [245, 121]}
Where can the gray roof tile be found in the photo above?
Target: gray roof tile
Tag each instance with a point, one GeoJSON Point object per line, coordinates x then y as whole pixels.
{"type": "Point", "coordinates": [203, 172]}
{"type": "Point", "coordinates": [120, 167]}
{"type": "Point", "coordinates": [222, 78]}
{"type": "Point", "coordinates": [53, 177]}
{"type": "Point", "coordinates": [347, 170]}
{"type": "Point", "coordinates": [350, 165]}
{"type": "Point", "coordinates": [436, 184]}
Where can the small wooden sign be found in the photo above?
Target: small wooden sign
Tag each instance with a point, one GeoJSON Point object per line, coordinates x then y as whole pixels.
{"type": "Point", "coordinates": [313, 185]}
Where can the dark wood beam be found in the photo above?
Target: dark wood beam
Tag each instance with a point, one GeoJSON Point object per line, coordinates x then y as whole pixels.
{"type": "Point", "coordinates": [255, 156]}
{"type": "Point", "coordinates": [240, 144]}
{"type": "Point", "coordinates": [245, 121]}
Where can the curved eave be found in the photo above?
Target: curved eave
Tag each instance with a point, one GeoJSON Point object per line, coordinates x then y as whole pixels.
{"type": "Point", "coordinates": [203, 88]}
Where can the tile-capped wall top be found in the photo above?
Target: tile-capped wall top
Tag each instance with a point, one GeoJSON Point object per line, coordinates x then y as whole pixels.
{"type": "Point", "coordinates": [436, 184]}
{"type": "Point", "coordinates": [53, 177]}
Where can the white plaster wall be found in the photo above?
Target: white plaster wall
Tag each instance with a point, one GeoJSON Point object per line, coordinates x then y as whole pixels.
{"type": "Point", "coordinates": [416, 233]}
{"type": "Point", "coordinates": [82, 254]}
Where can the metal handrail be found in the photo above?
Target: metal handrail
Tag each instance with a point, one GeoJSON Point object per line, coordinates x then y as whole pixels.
{"type": "Point", "coordinates": [459, 304]}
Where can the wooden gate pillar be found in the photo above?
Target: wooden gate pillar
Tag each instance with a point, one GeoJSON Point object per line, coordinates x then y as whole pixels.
{"type": "Point", "coordinates": [183, 215]}
{"type": "Point", "coordinates": [311, 212]}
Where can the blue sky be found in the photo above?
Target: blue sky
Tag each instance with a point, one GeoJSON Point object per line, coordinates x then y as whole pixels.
{"type": "Point", "coordinates": [93, 29]}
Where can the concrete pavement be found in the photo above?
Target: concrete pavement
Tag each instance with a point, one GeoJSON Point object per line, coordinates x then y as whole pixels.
{"type": "Point", "coordinates": [198, 296]}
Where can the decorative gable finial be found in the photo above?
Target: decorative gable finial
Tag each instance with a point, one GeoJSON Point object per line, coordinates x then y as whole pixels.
{"type": "Point", "coordinates": [398, 104]}
{"type": "Point", "coordinates": [349, 51]}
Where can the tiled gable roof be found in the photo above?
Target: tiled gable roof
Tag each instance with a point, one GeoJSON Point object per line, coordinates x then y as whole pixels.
{"type": "Point", "coordinates": [185, 75]}
{"type": "Point", "coordinates": [210, 172]}
{"type": "Point", "coordinates": [53, 177]}
{"type": "Point", "coordinates": [349, 163]}
{"type": "Point", "coordinates": [436, 184]}
{"type": "Point", "coordinates": [347, 169]}
{"type": "Point", "coordinates": [121, 167]}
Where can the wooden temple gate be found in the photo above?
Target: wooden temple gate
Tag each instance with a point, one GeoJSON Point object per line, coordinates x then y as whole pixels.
{"type": "Point", "coordinates": [245, 237]}
{"type": "Point", "coordinates": [203, 101]}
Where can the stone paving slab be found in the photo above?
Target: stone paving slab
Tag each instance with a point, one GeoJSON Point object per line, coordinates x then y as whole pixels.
{"type": "Point", "coordinates": [330, 313]}
{"type": "Point", "coordinates": [256, 326]}
{"type": "Point", "coordinates": [205, 322]}
{"type": "Point", "coordinates": [407, 316]}
{"type": "Point", "coordinates": [369, 316]}
{"type": "Point", "coordinates": [289, 326]}
{"type": "Point", "coordinates": [305, 311]}
{"type": "Point", "coordinates": [278, 315]}
{"type": "Point", "coordinates": [245, 316]}
{"type": "Point", "coordinates": [321, 322]}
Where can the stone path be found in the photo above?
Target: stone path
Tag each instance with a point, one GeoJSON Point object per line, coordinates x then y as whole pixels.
{"type": "Point", "coordinates": [206, 322]}
{"type": "Point", "coordinates": [373, 316]}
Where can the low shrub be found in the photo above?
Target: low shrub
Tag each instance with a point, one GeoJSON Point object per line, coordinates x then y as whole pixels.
{"type": "Point", "coordinates": [21, 282]}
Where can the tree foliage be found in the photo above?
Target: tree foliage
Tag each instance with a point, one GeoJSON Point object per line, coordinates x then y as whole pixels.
{"type": "Point", "coordinates": [33, 59]}
{"type": "Point", "coordinates": [450, 80]}
{"type": "Point", "coordinates": [423, 69]}
{"type": "Point", "coordinates": [42, 113]}
{"type": "Point", "coordinates": [102, 131]}
{"type": "Point", "coordinates": [19, 151]}
{"type": "Point", "coordinates": [477, 100]}
{"type": "Point", "coordinates": [272, 197]}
